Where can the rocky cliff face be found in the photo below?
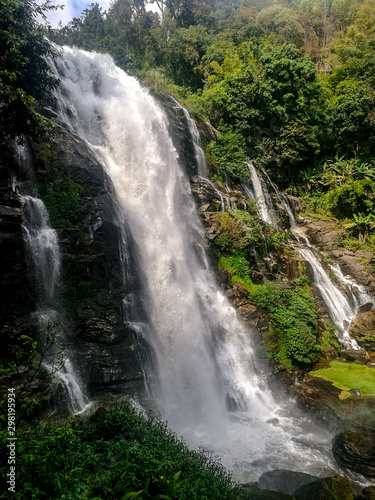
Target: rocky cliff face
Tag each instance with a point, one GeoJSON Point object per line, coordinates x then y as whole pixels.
{"type": "Point", "coordinates": [97, 277]}
{"type": "Point", "coordinates": [17, 297]}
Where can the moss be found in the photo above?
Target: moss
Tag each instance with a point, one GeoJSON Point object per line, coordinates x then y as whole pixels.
{"type": "Point", "coordinates": [341, 488]}
{"type": "Point", "coordinates": [61, 198]}
{"type": "Point", "coordinates": [347, 376]}
{"type": "Point", "coordinates": [79, 287]}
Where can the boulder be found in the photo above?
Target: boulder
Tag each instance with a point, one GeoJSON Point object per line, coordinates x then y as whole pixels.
{"type": "Point", "coordinates": [363, 325]}
{"type": "Point", "coordinates": [328, 488]}
{"type": "Point", "coordinates": [297, 204]}
{"type": "Point", "coordinates": [285, 481]}
{"type": "Point", "coordinates": [367, 494]}
{"type": "Point", "coordinates": [252, 491]}
{"type": "Point", "coordinates": [355, 450]}
{"type": "Point", "coordinates": [355, 355]}
{"type": "Point", "coordinates": [364, 308]}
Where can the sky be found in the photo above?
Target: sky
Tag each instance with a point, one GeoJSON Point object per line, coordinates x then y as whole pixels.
{"type": "Point", "coordinates": [72, 8]}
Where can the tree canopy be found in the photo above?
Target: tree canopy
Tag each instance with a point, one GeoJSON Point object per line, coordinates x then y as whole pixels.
{"type": "Point", "coordinates": [25, 75]}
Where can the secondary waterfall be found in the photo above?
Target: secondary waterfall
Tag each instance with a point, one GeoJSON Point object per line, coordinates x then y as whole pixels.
{"type": "Point", "coordinates": [203, 359]}
{"type": "Point", "coordinates": [45, 259]}
{"type": "Point", "coordinates": [261, 196]}
{"type": "Point", "coordinates": [341, 310]}
{"type": "Point", "coordinates": [200, 156]}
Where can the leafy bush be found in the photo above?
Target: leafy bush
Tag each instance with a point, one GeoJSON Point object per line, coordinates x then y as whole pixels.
{"type": "Point", "coordinates": [111, 455]}
{"type": "Point", "coordinates": [228, 153]}
{"type": "Point", "coordinates": [293, 322]}
{"type": "Point", "coordinates": [355, 196]}
{"type": "Point", "coordinates": [238, 230]}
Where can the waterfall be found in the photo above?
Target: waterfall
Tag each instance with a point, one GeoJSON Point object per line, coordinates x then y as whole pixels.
{"type": "Point", "coordinates": [204, 377]}
{"type": "Point", "coordinates": [45, 261]}
{"type": "Point", "coordinates": [341, 310]}
{"type": "Point", "coordinates": [200, 156]}
{"type": "Point", "coordinates": [261, 196]}
{"type": "Point", "coordinates": [358, 294]}
{"type": "Point", "coordinates": [42, 242]}
{"type": "Point", "coordinates": [337, 304]}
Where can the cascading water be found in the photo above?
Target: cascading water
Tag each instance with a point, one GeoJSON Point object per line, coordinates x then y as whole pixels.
{"type": "Point", "coordinates": [261, 196]}
{"type": "Point", "coordinates": [200, 156]}
{"type": "Point", "coordinates": [42, 242]}
{"type": "Point", "coordinates": [203, 360]}
{"type": "Point", "coordinates": [341, 310]}
{"type": "Point", "coordinates": [359, 295]}
{"type": "Point", "coordinates": [44, 255]}
{"type": "Point", "coordinates": [338, 305]}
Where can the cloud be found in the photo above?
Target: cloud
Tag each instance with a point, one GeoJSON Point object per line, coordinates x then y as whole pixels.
{"type": "Point", "coordinates": [72, 8]}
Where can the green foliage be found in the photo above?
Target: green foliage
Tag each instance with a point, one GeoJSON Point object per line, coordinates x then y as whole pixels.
{"type": "Point", "coordinates": [29, 354]}
{"type": "Point", "coordinates": [61, 198]}
{"type": "Point", "coordinates": [238, 230]}
{"type": "Point", "coordinates": [185, 50]}
{"type": "Point", "coordinates": [237, 266]}
{"type": "Point", "coordinates": [117, 453]}
{"type": "Point", "coordinates": [293, 322]}
{"type": "Point", "coordinates": [353, 196]}
{"type": "Point", "coordinates": [25, 75]}
{"type": "Point", "coordinates": [79, 288]}
{"type": "Point", "coordinates": [349, 110]}
{"type": "Point", "coordinates": [362, 225]}
{"type": "Point", "coordinates": [228, 154]}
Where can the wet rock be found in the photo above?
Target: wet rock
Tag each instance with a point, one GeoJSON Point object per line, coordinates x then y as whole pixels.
{"type": "Point", "coordinates": [285, 481]}
{"type": "Point", "coordinates": [273, 421]}
{"type": "Point", "coordinates": [367, 494]}
{"type": "Point", "coordinates": [362, 326]}
{"type": "Point", "coordinates": [355, 450]}
{"type": "Point", "coordinates": [297, 204]}
{"type": "Point", "coordinates": [329, 488]}
{"type": "Point", "coordinates": [355, 355]}
{"type": "Point", "coordinates": [252, 491]}
{"type": "Point", "coordinates": [356, 392]}
{"type": "Point", "coordinates": [352, 264]}
{"type": "Point", "coordinates": [364, 308]}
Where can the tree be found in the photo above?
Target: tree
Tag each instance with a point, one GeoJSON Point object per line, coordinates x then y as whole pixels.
{"type": "Point", "coordinates": [92, 28]}
{"type": "Point", "coordinates": [291, 76]}
{"type": "Point", "coordinates": [183, 57]}
{"type": "Point", "coordinates": [25, 75]}
{"type": "Point", "coordinates": [283, 22]}
{"type": "Point", "coordinates": [349, 111]}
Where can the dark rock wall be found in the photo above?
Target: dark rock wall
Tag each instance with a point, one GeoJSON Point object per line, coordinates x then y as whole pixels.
{"type": "Point", "coordinates": [17, 297]}
{"type": "Point", "coordinates": [93, 256]}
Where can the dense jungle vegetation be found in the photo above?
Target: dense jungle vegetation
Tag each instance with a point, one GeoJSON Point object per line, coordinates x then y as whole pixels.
{"type": "Point", "coordinates": [287, 84]}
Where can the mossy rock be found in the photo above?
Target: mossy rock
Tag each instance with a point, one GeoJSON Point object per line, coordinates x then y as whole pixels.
{"type": "Point", "coordinates": [328, 488]}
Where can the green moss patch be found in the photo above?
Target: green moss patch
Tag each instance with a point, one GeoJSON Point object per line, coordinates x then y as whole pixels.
{"type": "Point", "coordinates": [346, 376]}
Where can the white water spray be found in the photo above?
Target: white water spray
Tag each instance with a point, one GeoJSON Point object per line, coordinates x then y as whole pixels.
{"type": "Point", "coordinates": [203, 358]}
